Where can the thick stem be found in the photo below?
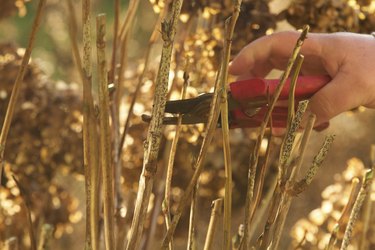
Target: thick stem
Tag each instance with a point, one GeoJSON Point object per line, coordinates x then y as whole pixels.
{"type": "Point", "coordinates": [155, 129]}
{"type": "Point", "coordinates": [90, 137]}
{"type": "Point", "coordinates": [105, 135]}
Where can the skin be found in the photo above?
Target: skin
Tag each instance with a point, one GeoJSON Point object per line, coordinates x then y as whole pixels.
{"type": "Point", "coordinates": [348, 58]}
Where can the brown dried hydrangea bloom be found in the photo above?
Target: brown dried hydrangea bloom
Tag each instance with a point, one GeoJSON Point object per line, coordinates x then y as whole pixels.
{"type": "Point", "coordinates": [332, 15]}
{"type": "Point", "coordinates": [44, 144]}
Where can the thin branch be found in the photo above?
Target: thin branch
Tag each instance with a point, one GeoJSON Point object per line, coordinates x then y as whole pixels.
{"type": "Point", "coordinates": [259, 183]}
{"type": "Point", "coordinates": [229, 30]}
{"type": "Point", "coordinates": [260, 180]}
{"type": "Point", "coordinates": [193, 212]}
{"type": "Point", "coordinates": [130, 14]}
{"type": "Point", "coordinates": [30, 226]}
{"type": "Point", "coordinates": [217, 206]}
{"type": "Point", "coordinates": [263, 207]}
{"type": "Point", "coordinates": [73, 30]}
{"type": "Point", "coordinates": [168, 179]}
{"type": "Point", "coordinates": [112, 71]}
{"type": "Point", "coordinates": [17, 84]}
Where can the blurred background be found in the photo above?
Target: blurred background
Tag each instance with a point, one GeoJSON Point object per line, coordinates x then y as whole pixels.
{"type": "Point", "coordinates": [44, 148]}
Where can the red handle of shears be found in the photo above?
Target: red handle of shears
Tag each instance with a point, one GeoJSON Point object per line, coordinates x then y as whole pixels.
{"type": "Point", "coordinates": [306, 86]}
{"type": "Point", "coordinates": [247, 90]}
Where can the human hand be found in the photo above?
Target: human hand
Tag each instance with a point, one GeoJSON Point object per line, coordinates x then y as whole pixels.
{"type": "Point", "coordinates": [348, 58]}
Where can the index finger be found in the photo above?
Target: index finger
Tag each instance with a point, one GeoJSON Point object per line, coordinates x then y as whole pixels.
{"type": "Point", "coordinates": [270, 52]}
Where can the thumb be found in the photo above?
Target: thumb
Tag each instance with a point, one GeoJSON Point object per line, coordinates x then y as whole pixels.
{"type": "Point", "coordinates": [336, 97]}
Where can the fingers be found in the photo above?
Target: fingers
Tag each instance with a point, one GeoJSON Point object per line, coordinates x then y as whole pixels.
{"type": "Point", "coordinates": [336, 97]}
{"type": "Point", "coordinates": [270, 52]}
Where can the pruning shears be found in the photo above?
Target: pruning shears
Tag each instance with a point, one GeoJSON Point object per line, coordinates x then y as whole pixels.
{"type": "Point", "coordinates": [247, 102]}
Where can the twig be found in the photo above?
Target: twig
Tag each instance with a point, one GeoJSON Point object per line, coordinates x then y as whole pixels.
{"type": "Point", "coordinates": [263, 206]}
{"type": "Point", "coordinates": [45, 237]}
{"type": "Point", "coordinates": [115, 115]}
{"type": "Point", "coordinates": [154, 132]}
{"type": "Point", "coordinates": [123, 38]}
{"type": "Point", "coordinates": [193, 211]}
{"type": "Point", "coordinates": [366, 186]}
{"type": "Point", "coordinates": [342, 221]}
{"type": "Point", "coordinates": [73, 30]}
{"type": "Point", "coordinates": [130, 14]}
{"type": "Point", "coordinates": [292, 124]}
{"type": "Point", "coordinates": [217, 206]}
{"type": "Point", "coordinates": [17, 84]}
{"type": "Point", "coordinates": [28, 215]}
{"type": "Point", "coordinates": [105, 134]}
{"type": "Point", "coordinates": [229, 30]}
{"type": "Point", "coordinates": [255, 154]}
{"type": "Point", "coordinates": [259, 183]}
{"type": "Point", "coordinates": [90, 137]}
{"type": "Point", "coordinates": [117, 94]}
{"type": "Point", "coordinates": [168, 179]}
{"type": "Point", "coordinates": [112, 71]}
